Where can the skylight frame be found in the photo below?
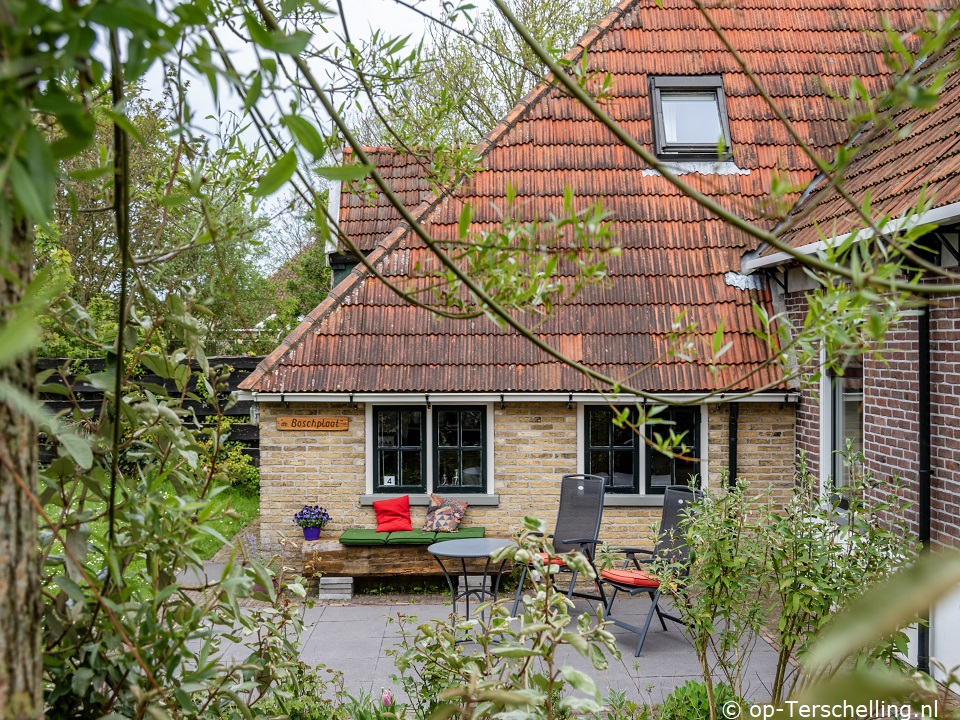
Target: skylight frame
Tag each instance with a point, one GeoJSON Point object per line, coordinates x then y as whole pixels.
{"type": "Point", "coordinates": [695, 84]}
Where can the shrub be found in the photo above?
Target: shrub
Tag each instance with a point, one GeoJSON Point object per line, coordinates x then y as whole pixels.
{"type": "Point", "coordinates": [690, 701]}
{"type": "Point", "coordinates": [233, 467]}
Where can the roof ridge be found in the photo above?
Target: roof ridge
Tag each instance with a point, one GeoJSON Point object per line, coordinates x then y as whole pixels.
{"type": "Point", "coordinates": [387, 245]}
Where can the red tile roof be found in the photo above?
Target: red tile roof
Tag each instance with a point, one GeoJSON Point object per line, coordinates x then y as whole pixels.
{"type": "Point", "coordinates": [367, 223]}
{"type": "Point", "coordinates": [675, 255]}
{"type": "Point", "coordinates": [912, 151]}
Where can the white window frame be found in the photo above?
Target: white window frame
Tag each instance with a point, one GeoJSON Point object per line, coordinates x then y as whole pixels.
{"type": "Point", "coordinates": [370, 445]}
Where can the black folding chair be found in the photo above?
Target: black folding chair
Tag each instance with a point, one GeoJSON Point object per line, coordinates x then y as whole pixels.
{"type": "Point", "coordinates": [577, 528]}
{"type": "Point", "coordinates": [671, 547]}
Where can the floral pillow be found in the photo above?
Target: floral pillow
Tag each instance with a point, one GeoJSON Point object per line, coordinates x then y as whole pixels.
{"type": "Point", "coordinates": [444, 515]}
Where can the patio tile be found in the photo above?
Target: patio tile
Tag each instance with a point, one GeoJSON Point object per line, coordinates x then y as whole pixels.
{"type": "Point", "coordinates": [332, 648]}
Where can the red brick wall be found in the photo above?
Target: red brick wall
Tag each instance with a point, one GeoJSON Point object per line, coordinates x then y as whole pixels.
{"type": "Point", "coordinates": [808, 408]}
{"type": "Point", "coordinates": [890, 413]}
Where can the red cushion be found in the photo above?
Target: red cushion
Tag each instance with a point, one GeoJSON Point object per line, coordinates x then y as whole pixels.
{"type": "Point", "coordinates": [552, 561]}
{"type": "Point", "coordinates": [633, 578]}
{"type": "Point", "coordinates": [393, 515]}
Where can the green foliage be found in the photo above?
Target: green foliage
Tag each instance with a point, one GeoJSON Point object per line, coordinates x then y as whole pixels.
{"type": "Point", "coordinates": [513, 670]}
{"type": "Point", "coordinates": [823, 557]}
{"type": "Point", "coordinates": [756, 567]}
{"type": "Point", "coordinates": [308, 693]}
{"type": "Point", "coordinates": [232, 467]}
{"type": "Point", "coordinates": [474, 70]}
{"type": "Point", "coordinates": [691, 701]}
{"type": "Point", "coordinates": [723, 586]}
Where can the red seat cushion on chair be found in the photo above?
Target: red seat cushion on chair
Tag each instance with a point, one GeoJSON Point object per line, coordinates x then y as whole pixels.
{"type": "Point", "coordinates": [393, 515]}
{"type": "Point", "coordinates": [633, 578]}
{"type": "Point", "coordinates": [554, 561]}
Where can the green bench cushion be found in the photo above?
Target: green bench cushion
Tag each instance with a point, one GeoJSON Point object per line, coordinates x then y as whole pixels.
{"type": "Point", "coordinates": [411, 537]}
{"type": "Point", "coordinates": [358, 536]}
{"type": "Point", "coordinates": [470, 532]}
{"type": "Point", "coordinates": [361, 537]}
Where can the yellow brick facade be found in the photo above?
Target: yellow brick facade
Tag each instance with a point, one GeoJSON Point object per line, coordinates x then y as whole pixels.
{"type": "Point", "coordinates": [534, 444]}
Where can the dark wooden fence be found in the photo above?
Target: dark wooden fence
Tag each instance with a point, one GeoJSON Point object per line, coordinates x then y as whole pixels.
{"type": "Point", "coordinates": [91, 398]}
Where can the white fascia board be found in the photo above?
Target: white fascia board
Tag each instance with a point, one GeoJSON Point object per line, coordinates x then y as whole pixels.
{"type": "Point", "coordinates": [936, 216]}
{"type": "Point", "coordinates": [486, 397]}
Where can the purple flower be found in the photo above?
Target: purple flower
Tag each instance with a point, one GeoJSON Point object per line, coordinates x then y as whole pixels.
{"type": "Point", "coordinates": [387, 698]}
{"type": "Point", "coordinates": [312, 516]}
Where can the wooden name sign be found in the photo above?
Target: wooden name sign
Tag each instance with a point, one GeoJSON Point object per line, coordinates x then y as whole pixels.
{"type": "Point", "coordinates": [312, 422]}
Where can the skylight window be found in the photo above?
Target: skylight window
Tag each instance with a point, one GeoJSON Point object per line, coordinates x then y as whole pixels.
{"type": "Point", "coordinates": [690, 118]}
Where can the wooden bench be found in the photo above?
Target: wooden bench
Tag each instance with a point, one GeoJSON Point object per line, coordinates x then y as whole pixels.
{"type": "Point", "coordinates": [367, 553]}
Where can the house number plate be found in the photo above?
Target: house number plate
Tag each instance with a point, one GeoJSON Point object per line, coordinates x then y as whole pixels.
{"type": "Point", "coordinates": [312, 422]}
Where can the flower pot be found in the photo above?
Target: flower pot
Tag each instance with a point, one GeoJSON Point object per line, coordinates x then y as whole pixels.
{"type": "Point", "coordinates": [311, 533]}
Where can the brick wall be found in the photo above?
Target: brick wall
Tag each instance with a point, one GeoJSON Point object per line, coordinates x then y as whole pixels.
{"type": "Point", "coordinates": [534, 444]}
{"type": "Point", "coordinates": [808, 407]}
{"type": "Point", "coordinates": [890, 414]}
{"type": "Point", "coordinates": [309, 468]}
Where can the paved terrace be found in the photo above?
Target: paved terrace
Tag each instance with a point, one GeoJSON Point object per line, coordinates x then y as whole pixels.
{"type": "Point", "coordinates": [353, 637]}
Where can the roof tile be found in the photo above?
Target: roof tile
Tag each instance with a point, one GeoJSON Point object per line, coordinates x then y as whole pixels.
{"type": "Point", "coordinates": [674, 254]}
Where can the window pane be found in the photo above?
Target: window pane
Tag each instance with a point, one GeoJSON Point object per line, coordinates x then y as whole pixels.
{"type": "Point", "coordinates": [685, 424]}
{"type": "Point", "coordinates": [388, 428]}
{"type": "Point", "coordinates": [691, 118]}
{"type": "Point", "coordinates": [472, 468]}
{"type": "Point", "coordinates": [411, 467]}
{"type": "Point", "coordinates": [623, 468]}
{"type": "Point", "coordinates": [448, 467]}
{"type": "Point", "coordinates": [599, 419]}
{"type": "Point", "coordinates": [447, 428]}
{"type": "Point", "coordinates": [472, 435]}
{"type": "Point", "coordinates": [599, 463]}
{"type": "Point", "coordinates": [848, 414]}
{"type": "Point", "coordinates": [685, 470]}
{"type": "Point", "coordinates": [660, 469]}
{"type": "Point", "coordinates": [388, 467]}
{"type": "Point", "coordinates": [411, 420]}
{"type": "Point", "coordinates": [622, 436]}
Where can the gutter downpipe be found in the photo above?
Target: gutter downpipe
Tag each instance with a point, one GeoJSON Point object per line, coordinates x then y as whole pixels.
{"type": "Point", "coordinates": [733, 443]}
{"type": "Point", "coordinates": [923, 432]}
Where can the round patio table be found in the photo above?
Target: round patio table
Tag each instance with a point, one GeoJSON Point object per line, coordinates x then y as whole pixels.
{"type": "Point", "coordinates": [470, 549]}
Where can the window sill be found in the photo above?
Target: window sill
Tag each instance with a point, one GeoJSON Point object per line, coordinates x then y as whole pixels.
{"type": "Point", "coordinates": [476, 500]}
{"type": "Point", "coordinates": [614, 500]}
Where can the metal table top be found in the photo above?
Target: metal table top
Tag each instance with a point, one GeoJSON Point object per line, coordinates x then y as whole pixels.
{"type": "Point", "coordinates": [469, 547]}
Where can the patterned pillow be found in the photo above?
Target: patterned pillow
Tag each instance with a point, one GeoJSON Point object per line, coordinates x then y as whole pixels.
{"type": "Point", "coordinates": [444, 515]}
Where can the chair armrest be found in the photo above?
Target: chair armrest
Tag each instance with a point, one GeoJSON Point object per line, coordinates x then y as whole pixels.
{"type": "Point", "coordinates": [632, 550]}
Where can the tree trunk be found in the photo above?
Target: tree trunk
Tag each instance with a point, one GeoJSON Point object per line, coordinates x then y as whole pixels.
{"type": "Point", "coordinates": [20, 656]}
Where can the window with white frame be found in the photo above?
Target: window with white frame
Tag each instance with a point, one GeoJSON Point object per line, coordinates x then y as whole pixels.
{"type": "Point", "coordinates": [456, 447]}
{"type": "Point", "coordinates": [690, 118]}
{"type": "Point", "coordinates": [628, 463]}
{"type": "Point", "coordinates": [399, 457]}
{"type": "Point", "coordinates": [847, 421]}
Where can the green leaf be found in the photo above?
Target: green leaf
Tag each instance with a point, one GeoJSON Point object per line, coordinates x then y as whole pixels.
{"type": "Point", "coordinates": [72, 590]}
{"type": "Point", "coordinates": [466, 216]}
{"type": "Point", "coordinates": [81, 680]}
{"type": "Point", "coordinates": [887, 608]}
{"type": "Point", "coordinates": [253, 92]}
{"type": "Point", "coordinates": [514, 652]}
{"type": "Point", "coordinates": [75, 447]}
{"type": "Point", "coordinates": [17, 337]}
{"type": "Point", "coordinates": [344, 172]}
{"type": "Point", "coordinates": [27, 194]}
{"type": "Point", "coordinates": [306, 134]}
{"type": "Point", "coordinates": [581, 681]}
{"type": "Point", "coordinates": [277, 176]}
{"type": "Point", "coordinates": [157, 364]}
{"type": "Point", "coordinates": [718, 338]}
